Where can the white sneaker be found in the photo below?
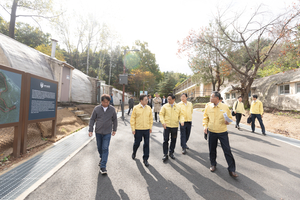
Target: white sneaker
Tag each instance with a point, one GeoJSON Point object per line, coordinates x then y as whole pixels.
{"type": "Point", "coordinates": [103, 171]}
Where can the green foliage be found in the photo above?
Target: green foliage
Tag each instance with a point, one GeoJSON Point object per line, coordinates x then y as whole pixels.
{"type": "Point", "coordinates": [286, 56]}
{"type": "Point", "coordinates": [4, 26]}
{"type": "Point", "coordinates": [5, 159]}
{"type": "Point", "coordinates": [166, 86]}
{"type": "Point", "coordinates": [26, 34]}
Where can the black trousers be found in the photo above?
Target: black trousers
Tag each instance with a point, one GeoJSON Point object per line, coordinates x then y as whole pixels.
{"type": "Point", "coordinates": [258, 116]}
{"type": "Point", "coordinates": [185, 132]}
{"type": "Point", "coordinates": [156, 115]}
{"type": "Point", "coordinates": [167, 132]}
{"type": "Point", "coordinates": [130, 108]}
{"type": "Point", "coordinates": [238, 117]}
{"type": "Point", "coordinates": [138, 136]}
{"type": "Point", "coordinates": [213, 143]}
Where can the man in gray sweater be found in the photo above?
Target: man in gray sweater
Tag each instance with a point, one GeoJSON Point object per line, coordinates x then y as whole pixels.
{"type": "Point", "coordinates": [106, 125]}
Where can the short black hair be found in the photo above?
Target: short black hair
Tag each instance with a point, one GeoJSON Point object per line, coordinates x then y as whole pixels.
{"type": "Point", "coordinates": [105, 96]}
{"type": "Point", "coordinates": [217, 94]}
{"type": "Point", "coordinates": [148, 95]}
{"type": "Point", "coordinates": [240, 97]}
{"type": "Point", "coordinates": [142, 97]}
{"type": "Point", "coordinates": [254, 96]}
{"type": "Point", "coordinates": [184, 94]}
{"type": "Point", "coordinates": [171, 95]}
{"type": "Point", "coordinates": [221, 98]}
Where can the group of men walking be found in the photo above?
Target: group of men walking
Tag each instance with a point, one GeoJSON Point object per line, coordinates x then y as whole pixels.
{"type": "Point", "coordinates": [172, 115]}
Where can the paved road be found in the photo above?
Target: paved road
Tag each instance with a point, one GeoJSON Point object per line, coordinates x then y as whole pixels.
{"type": "Point", "coordinates": [267, 168]}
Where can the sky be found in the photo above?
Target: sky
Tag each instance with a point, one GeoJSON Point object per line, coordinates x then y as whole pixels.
{"type": "Point", "coordinates": [160, 23]}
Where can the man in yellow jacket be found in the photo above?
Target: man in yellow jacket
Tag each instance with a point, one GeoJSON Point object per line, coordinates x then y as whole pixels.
{"type": "Point", "coordinates": [257, 111]}
{"type": "Point", "coordinates": [185, 130]}
{"type": "Point", "coordinates": [239, 110]}
{"type": "Point", "coordinates": [215, 126]}
{"type": "Point", "coordinates": [141, 122]}
{"type": "Point", "coordinates": [170, 115]}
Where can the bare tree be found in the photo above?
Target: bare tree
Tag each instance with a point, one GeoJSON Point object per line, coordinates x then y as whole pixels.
{"type": "Point", "coordinates": [250, 39]}
{"type": "Point", "coordinates": [36, 8]}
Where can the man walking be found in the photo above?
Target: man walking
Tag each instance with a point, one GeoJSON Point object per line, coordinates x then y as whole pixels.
{"type": "Point", "coordinates": [185, 130]}
{"type": "Point", "coordinates": [106, 118]}
{"type": "Point", "coordinates": [170, 115]}
{"type": "Point", "coordinates": [239, 110]}
{"type": "Point", "coordinates": [157, 105]}
{"type": "Point", "coordinates": [164, 101]}
{"type": "Point", "coordinates": [257, 111]}
{"type": "Point", "coordinates": [216, 127]}
{"type": "Point", "coordinates": [150, 101]}
{"type": "Point", "coordinates": [141, 122]}
{"type": "Point", "coordinates": [130, 104]}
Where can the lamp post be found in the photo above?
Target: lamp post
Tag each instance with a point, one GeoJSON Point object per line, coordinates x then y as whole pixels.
{"type": "Point", "coordinates": [123, 83]}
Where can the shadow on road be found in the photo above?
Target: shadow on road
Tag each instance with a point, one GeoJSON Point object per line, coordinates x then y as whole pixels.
{"type": "Point", "coordinates": [242, 182]}
{"type": "Point", "coordinates": [159, 187]}
{"type": "Point", "coordinates": [264, 161]}
{"type": "Point", "coordinates": [203, 186]}
{"type": "Point", "coordinates": [253, 138]}
{"type": "Point", "coordinates": [105, 189]}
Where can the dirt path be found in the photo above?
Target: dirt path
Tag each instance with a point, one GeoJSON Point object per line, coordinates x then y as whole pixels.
{"type": "Point", "coordinates": [276, 123]}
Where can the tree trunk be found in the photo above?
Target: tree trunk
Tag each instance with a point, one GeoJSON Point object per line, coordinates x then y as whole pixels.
{"type": "Point", "coordinates": [244, 93]}
{"type": "Point", "coordinates": [13, 19]}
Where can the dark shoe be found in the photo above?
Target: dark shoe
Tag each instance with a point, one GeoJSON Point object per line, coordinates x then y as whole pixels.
{"type": "Point", "coordinates": [165, 157]}
{"type": "Point", "coordinates": [187, 147]}
{"type": "Point", "coordinates": [146, 163]}
{"type": "Point", "coordinates": [100, 162]}
{"type": "Point", "coordinates": [264, 133]}
{"type": "Point", "coordinates": [103, 171]}
{"type": "Point", "coordinates": [233, 174]}
{"type": "Point", "coordinates": [133, 156]}
{"type": "Point", "coordinates": [235, 126]}
{"type": "Point", "coordinates": [212, 168]}
{"type": "Point", "coordinates": [172, 156]}
{"type": "Point", "coordinates": [183, 151]}
{"type": "Point", "coordinates": [252, 131]}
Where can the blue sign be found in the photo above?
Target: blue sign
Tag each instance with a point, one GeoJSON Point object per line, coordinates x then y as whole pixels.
{"type": "Point", "coordinates": [42, 102]}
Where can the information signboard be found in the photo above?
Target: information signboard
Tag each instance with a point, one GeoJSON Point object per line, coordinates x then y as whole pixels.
{"type": "Point", "coordinates": [42, 100]}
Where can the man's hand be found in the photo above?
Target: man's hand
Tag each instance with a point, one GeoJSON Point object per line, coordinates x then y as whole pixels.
{"type": "Point", "coordinates": [150, 131]}
{"type": "Point", "coordinates": [182, 123]}
{"type": "Point", "coordinates": [261, 116]}
{"type": "Point", "coordinates": [205, 130]}
{"type": "Point", "coordinates": [226, 122]}
{"type": "Point", "coordinates": [113, 133]}
{"type": "Point", "coordinates": [165, 126]}
{"type": "Point", "coordinates": [133, 132]}
{"type": "Point", "coordinates": [90, 134]}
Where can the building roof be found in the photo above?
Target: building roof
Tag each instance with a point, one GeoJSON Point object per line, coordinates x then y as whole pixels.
{"type": "Point", "coordinates": [278, 79]}
{"type": "Point", "coordinates": [25, 58]}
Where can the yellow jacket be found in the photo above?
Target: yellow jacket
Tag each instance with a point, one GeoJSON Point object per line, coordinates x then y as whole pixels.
{"type": "Point", "coordinates": [171, 116]}
{"type": "Point", "coordinates": [187, 110]}
{"type": "Point", "coordinates": [213, 118]}
{"type": "Point", "coordinates": [141, 118]}
{"type": "Point", "coordinates": [240, 107]}
{"type": "Point", "coordinates": [256, 107]}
